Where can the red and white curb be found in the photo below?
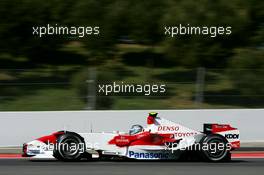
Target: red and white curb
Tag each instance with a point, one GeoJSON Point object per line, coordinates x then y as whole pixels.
{"type": "Point", "coordinates": [249, 154]}
{"type": "Point", "coordinates": [11, 156]}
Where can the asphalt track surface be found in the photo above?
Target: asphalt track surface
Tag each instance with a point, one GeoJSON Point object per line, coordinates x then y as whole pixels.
{"type": "Point", "coordinates": [26, 167]}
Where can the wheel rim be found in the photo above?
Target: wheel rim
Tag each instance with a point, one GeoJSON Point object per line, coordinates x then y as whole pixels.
{"type": "Point", "coordinates": [69, 148]}
{"type": "Point", "coordinates": [214, 151]}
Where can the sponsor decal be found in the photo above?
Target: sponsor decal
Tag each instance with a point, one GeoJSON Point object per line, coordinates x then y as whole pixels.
{"type": "Point", "coordinates": [232, 136]}
{"type": "Point", "coordinates": [168, 128]}
{"type": "Point", "coordinates": [184, 134]}
{"type": "Point", "coordinates": [34, 151]}
{"type": "Point", "coordinates": [122, 139]}
{"type": "Point", "coordinates": [151, 155]}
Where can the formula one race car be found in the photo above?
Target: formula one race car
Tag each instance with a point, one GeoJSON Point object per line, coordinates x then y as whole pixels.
{"type": "Point", "coordinates": [160, 140]}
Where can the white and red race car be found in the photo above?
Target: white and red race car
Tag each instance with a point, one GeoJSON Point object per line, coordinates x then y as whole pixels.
{"type": "Point", "coordinates": [161, 139]}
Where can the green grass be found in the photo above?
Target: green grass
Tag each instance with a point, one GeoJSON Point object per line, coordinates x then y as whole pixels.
{"type": "Point", "coordinates": [180, 94]}
{"type": "Point", "coordinates": [43, 100]}
{"type": "Point", "coordinates": [180, 84]}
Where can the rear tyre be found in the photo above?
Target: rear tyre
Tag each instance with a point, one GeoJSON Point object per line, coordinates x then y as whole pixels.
{"type": "Point", "coordinates": [70, 147]}
{"type": "Point", "coordinates": [215, 149]}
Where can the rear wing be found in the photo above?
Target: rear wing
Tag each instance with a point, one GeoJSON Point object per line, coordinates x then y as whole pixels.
{"type": "Point", "coordinates": [230, 133]}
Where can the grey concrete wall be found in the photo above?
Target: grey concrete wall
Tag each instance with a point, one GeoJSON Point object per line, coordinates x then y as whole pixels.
{"type": "Point", "coordinates": [19, 127]}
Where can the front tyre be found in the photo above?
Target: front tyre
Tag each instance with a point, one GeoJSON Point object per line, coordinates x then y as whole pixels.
{"type": "Point", "coordinates": [215, 148]}
{"type": "Point", "coordinates": [70, 147]}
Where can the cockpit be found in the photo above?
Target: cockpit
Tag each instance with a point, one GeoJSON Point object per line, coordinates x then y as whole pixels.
{"type": "Point", "coordinates": [135, 129]}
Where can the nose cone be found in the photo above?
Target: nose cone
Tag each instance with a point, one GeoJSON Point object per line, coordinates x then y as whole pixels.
{"type": "Point", "coordinates": [24, 150]}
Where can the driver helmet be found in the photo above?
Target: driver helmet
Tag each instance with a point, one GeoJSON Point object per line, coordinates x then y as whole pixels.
{"type": "Point", "coordinates": [135, 129]}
